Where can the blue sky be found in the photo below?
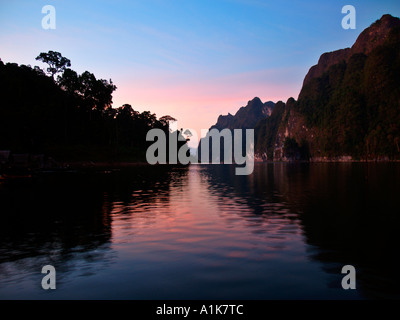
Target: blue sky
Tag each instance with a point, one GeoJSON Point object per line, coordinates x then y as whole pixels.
{"type": "Point", "coordinates": [193, 60]}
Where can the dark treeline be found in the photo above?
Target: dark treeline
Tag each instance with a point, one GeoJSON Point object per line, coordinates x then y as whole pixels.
{"type": "Point", "coordinates": [69, 116]}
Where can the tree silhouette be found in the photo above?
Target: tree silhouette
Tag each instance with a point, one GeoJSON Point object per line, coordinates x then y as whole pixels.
{"type": "Point", "coordinates": [97, 92]}
{"type": "Point", "coordinates": [69, 81]}
{"type": "Point", "coordinates": [57, 63]}
{"type": "Point", "coordinates": [71, 118]}
{"type": "Point", "coordinates": [166, 120]}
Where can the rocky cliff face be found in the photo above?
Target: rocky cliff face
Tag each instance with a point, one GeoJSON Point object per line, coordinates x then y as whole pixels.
{"type": "Point", "coordinates": [326, 60]}
{"type": "Point", "coordinates": [375, 35]}
{"type": "Point", "coordinates": [370, 38]}
{"type": "Point", "coordinates": [348, 107]}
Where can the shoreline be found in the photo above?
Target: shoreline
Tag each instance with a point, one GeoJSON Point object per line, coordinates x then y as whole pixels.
{"type": "Point", "coordinates": [126, 164]}
{"type": "Point", "coordinates": [326, 161]}
{"type": "Point", "coordinates": [102, 164]}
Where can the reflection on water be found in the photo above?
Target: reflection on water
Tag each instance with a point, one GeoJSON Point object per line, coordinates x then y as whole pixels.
{"type": "Point", "coordinates": [203, 233]}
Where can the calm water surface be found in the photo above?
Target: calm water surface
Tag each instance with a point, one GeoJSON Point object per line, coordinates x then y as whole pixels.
{"type": "Point", "coordinates": [203, 233]}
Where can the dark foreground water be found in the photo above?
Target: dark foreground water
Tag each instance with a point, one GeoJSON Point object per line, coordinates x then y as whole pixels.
{"type": "Point", "coordinates": [201, 232]}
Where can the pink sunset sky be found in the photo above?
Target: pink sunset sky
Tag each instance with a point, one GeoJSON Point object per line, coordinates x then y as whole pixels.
{"type": "Point", "coordinates": [192, 60]}
{"type": "Point", "coordinates": [184, 98]}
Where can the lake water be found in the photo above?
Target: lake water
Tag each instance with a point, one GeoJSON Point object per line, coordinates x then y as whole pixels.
{"type": "Point", "coordinates": [201, 232]}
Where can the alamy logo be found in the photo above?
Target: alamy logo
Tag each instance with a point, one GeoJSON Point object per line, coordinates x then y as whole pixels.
{"type": "Point", "coordinates": [349, 280]}
{"type": "Point", "coordinates": [49, 20]}
{"type": "Point", "coordinates": [349, 20]}
{"type": "Point", "coordinates": [49, 280]}
{"type": "Point", "coordinates": [232, 148]}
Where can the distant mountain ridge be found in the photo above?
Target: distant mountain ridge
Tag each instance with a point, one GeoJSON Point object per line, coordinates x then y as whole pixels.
{"type": "Point", "coordinates": [348, 107]}
{"type": "Point", "coordinates": [246, 117]}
